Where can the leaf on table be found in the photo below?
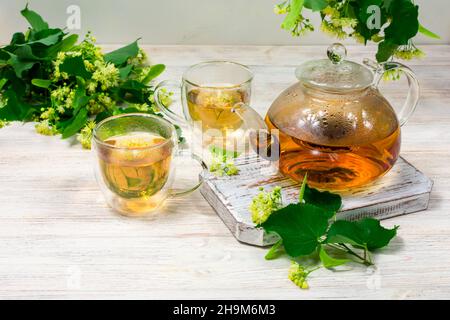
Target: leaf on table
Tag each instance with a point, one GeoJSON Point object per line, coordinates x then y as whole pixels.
{"type": "Point", "coordinates": [366, 233]}
{"type": "Point", "coordinates": [300, 226]}
{"type": "Point", "coordinates": [78, 122]}
{"type": "Point", "coordinates": [74, 66]}
{"type": "Point", "coordinates": [120, 56]}
{"type": "Point", "coordinates": [328, 261]}
{"type": "Point", "coordinates": [328, 201]}
{"type": "Point", "coordinates": [34, 19]}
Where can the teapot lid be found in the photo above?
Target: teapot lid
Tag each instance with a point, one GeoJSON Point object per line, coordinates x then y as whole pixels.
{"type": "Point", "coordinates": [335, 73]}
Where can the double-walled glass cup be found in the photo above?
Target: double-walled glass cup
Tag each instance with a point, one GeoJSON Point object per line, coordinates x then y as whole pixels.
{"type": "Point", "coordinates": [208, 93]}
{"type": "Point", "coordinates": [135, 165]}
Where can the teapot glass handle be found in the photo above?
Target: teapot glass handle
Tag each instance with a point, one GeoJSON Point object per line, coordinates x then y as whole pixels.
{"type": "Point", "coordinates": [264, 143]}
{"type": "Point", "coordinates": [414, 89]}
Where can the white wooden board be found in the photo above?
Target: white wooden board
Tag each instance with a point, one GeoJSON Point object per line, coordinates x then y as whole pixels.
{"type": "Point", "coordinates": [402, 190]}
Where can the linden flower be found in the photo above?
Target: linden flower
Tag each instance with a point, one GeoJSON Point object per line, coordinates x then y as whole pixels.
{"type": "Point", "coordinates": [298, 275]}
{"type": "Point", "coordinates": [333, 30]}
{"type": "Point", "coordinates": [85, 135]}
{"type": "Point", "coordinates": [106, 74]}
{"type": "Point", "coordinates": [3, 123]}
{"type": "Point", "coordinates": [264, 204]}
{"type": "Point", "coordinates": [221, 168]}
{"type": "Point", "coordinates": [45, 128]}
{"type": "Point", "coordinates": [48, 114]}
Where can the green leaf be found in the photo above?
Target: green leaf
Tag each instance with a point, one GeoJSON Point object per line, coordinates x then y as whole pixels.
{"type": "Point", "coordinates": [2, 83]}
{"type": "Point", "coordinates": [80, 99]}
{"type": "Point", "coordinates": [385, 50]}
{"type": "Point", "coordinates": [125, 71]}
{"type": "Point", "coordinates": [404, 24]}
{"type": "Point", "coordinates": [41, 83]}
{"type": "Point", "coordinates": [291, 18]}
{"type": "Point", "coordinates": [26, 53]}
{"type": "Point", "coordinates": [121, 55]}
{"type": "Point", "coordinates": [223, 153]}
{"type": "Point", "coordinates": [74, 66]}
{"type": "Point", "coordinates": [427, 32]}
{"type": "Point", "coordinates": [78, 122]}
{"type": "Point", "coordinates": [34, 19]}
{"type": "Point", "coordinates": [300, 226]}
{"type": "Point", "coordinates": [132, 91]}
{"type": "Point", "coordinates": [328, 201]}
{"type": "Point", "coordinates": [154, 71]}
{"type": "Point", "coordinates": [65, 45]}
{"type": "Point", "coordinates": [328, 261]}
{"type": "Point", "coordinates": [366, 233]}
{"type": "Point", "coordinates": [19, 65]}
{"type": "Point", "coordinates": [275, 251]}
{"type": "Point", "coordinates": [15, 109]}
{"type": "Point", "coordinates": [315, 5]}
{"type": "Point", "coordinates": [302, 189]}
{"type": "Point", "coordinates": [47, 37]}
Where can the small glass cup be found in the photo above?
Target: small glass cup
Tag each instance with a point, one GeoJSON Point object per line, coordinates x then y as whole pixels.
{"type": "Point", "coordinates": [135, 162]}
{"type": "Point", "coordinates": [208, 93]}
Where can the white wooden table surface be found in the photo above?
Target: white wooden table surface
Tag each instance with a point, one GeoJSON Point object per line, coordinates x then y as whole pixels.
{"type": "Point", "coordinates": [58, 239]}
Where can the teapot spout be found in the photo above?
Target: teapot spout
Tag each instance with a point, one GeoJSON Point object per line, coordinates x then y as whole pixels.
{"type": "Point", "coordinates": [262, 141]}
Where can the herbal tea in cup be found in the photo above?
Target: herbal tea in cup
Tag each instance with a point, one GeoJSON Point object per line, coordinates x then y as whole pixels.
{"type": "Point", "coordinates": [135, 162]}
{"type": "Point", "coordinates": [209, 92]}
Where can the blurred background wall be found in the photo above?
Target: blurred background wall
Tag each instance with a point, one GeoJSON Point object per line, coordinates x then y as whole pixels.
{"type": "Point", "coordinates": [213, 22]}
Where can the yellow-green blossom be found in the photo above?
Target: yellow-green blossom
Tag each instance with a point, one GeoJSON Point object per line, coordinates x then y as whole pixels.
{"type": "Point", "coordinates": [46, 128]}
{"type": "Point", "coordinates": [94, 107]}
{"type": "Point", "coordinates": [106, 74]}
{"type": "Point", "coordinates": [298, 274]}
{"type": "Point", "coordinates": [221, 168]}
{"type": "Point", "coordinates": [3, 123]}
{"type": "Point", "coordinates": [85, 135]}
{"type": "Point", "coordinates": [49, 114]}
{"type": "Point", "coordinates": [264, 204]}
{"type": "Point", "coordinates": [408, 53]}
{"type": "Point", "coordinates": [141, 59]}
{"type": "Point", "coordinates": [335, 31]}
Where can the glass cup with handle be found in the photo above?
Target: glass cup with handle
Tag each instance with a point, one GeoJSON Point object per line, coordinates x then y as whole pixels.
{"type": "Point", "coordinates": [136, 160]}
{"type": "Point", "coordinates": [208, 93]}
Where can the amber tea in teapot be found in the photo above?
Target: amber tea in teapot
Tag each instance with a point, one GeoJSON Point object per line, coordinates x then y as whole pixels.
{"type": "Point", "coordinates": [333, 147]}
{"type": "Point", "coordinates": [334, 124]}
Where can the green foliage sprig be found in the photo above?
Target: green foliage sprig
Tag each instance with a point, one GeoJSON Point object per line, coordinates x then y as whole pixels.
{"type": "Point", "coordinates": [310, 234]}
{"type": "Point", "coordinates": [45, 76]}
{"type": "Point", "coordinates": [399, 23]}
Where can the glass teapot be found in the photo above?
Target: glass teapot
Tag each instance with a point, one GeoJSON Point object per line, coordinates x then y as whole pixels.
{"type": "Point", "coordinates": [334, 124]}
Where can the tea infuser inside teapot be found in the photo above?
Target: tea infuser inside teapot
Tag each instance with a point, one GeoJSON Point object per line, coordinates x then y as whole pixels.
{"type": "Point", "coordinates": [334, 124]}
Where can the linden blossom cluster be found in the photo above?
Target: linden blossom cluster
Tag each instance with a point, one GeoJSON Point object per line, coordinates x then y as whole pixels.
{"type": "Point", "coordinates": [105, 76]}
{"type": "Point", "coordinates": [396, 23]}
{"type": "Point", "coordinates": [46, 77]}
